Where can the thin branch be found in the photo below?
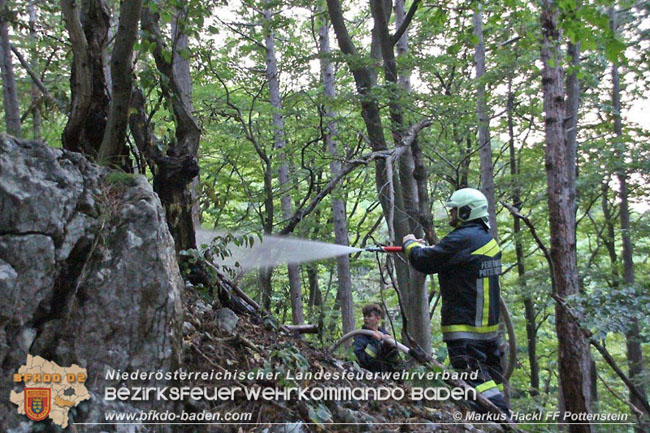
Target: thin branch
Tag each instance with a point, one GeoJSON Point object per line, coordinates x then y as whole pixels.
{"type": "Point", "coordinates": [515, 212]}
{"type": "Point", "coordinates": [413, 132]}
{"type": "Point", "coordinates": [329, 187]}
{"type": "Point", "coordinates": [37, 80]}
{"type": "Point", "coordinates": [618, 397]}
{"type": "Point", "coordinates": [405, 24]}
{"type": "Point", "coordinates": [242, 34]}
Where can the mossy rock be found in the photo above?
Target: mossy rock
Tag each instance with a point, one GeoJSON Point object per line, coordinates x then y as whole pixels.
{"type": "Point", "coordinates": [115, 178]}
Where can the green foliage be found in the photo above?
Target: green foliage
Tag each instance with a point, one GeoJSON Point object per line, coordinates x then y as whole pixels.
{"type": "Point", "coordinates": [120, 178]}
{"type": "Point", "coordinates": [239, 192]}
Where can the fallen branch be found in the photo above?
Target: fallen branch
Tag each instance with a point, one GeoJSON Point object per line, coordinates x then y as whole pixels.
{"type": "Point", "coordinates": [212, 363]}
{"type": "Point", "coordinates": [243, 295]}
{"type": "Point", "coordinates": [235, 289]}
{"type": "Point", "coordinates": [392, 155]}
{"type": "Point", "coordinates": [303, 329]}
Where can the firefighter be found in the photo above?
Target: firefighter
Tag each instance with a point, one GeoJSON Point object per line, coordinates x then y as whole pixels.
{"type": "Point", "coordinates": [468, 264]}
{"type": "Point", "coordinates": [373, 354]}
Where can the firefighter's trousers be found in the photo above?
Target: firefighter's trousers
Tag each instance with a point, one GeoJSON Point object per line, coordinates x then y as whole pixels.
{"type": "Point", "coordinates": [483, 356]}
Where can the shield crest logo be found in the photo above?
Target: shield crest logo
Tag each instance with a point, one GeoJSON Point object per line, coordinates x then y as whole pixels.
{"type": "Point", "coordinates": [37, 403]}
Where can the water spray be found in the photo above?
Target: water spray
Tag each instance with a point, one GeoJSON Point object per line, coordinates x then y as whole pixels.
{"type": "Point", "coordinates": [275, 250]}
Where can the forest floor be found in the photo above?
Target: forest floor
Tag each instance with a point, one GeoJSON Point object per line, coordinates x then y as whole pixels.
{"type": "Point", "coordinates": [259, 344]}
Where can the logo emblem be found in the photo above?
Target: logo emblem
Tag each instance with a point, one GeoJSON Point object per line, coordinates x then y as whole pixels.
{"type": "Point", "coordinates": [37, 403]}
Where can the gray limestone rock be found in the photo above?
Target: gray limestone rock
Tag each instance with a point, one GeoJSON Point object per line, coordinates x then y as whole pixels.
{"type": "Point", "coordinates": [88, 275]}
{"type": "Point", "coordinates": [226, 319]}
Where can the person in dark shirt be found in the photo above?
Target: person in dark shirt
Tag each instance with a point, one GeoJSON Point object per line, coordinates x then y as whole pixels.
{"type": "Point", "coordinates": [468, 264]}
{"type": "Point", "coordinates": [374, 354]}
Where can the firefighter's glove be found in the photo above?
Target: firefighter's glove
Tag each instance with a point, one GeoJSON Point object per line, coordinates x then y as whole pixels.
{"type": "Point", "coordinates": [409, 237]}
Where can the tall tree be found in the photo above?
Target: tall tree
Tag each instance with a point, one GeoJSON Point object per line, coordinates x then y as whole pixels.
{"type": "Point", "coordinates": [176, 169]}
{"type": "Point", "coordinates": [485, 145]}
{"type": "Point", "coordinates": [515, 188]}
{"type": "Point", "coordinates": [273, 78]}
{"type": "Point", "coordinates": [338, 204]}
{"type": "Point", "coordinates": [403, 214]}
{"type": "Point", "coordinates": [113, 148]}
{"type": "Point", "coordinates": [9, 89]}
{"type": "Point", "coordinates": [573, 349]}
{"type": "Point", "coordinates": [413, 161]}
{"type": "Point", "coordinates": [413, 180]}
{"type": "Point", "coordinates": [87, 22]}
{"type": "Point", "coordinates": [632, 335]}
{"type": "Point", "coordinates": [386, 179]}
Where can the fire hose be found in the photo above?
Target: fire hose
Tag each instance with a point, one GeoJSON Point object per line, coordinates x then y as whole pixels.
{"type": "Point", "coordinates": [423, 359]}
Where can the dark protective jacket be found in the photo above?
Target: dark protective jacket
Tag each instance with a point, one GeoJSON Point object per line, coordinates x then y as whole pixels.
{"type": "Point", "coordinates": [468, 264]}
{"type": "Point", "coordinates": [374, 355]}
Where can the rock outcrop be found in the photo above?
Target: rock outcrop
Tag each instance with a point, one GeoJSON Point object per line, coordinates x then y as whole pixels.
{"type": "Point", "coordinates": [88, 276]}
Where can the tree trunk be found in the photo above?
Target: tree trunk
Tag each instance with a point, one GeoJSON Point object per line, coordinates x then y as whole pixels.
{"type": "Point", "coordinates": [389, 198]}
{"type": "Point", "coordinates": [272, 76]}
{"type": "Point", "coordinates": [315, 295]}
{"type": "Point", "coordinates": [338, 205]}
{"type": "Point", "coordinates": [632, 336]}
{"type": "Point", "coordinates": [571, 120]}
{"type": "Point", "coordinates": [414, 193]}
{"type": "Point", "coordinates": [402, 198]}
{"type": "Point", "coordinates": [529, 305]}
{"type": "Point", "coordinates": [265, 274]}
{"type": "Point", "coordinates": [114, 150]}
{"type": "Point", "coordinates": [573, 349]}
{"type": "Point", "coordinates": [485, 147]}
{"type": "Point", "coordinates": [88, 30]}
{"type": "Point", "coordinates": [179, 166]}
{"type": "Point", "coordinates": [9, 89]}
{"type": "Point", "coordinates": [420, 174]}
{"type": "Point", "coordinates": [37, 119]}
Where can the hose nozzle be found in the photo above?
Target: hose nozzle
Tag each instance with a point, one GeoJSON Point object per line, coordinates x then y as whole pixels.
{"type": "Point", "coordinates": [384, 249]}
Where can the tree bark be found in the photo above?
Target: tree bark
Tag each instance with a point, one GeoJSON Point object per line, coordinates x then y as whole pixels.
{"type": "Point", "coordinates": [113, 150]}
{"type": "Point", "coordinates": [88, 30]}
{"type": "Point", "coordinates": [571, 120]}
{"type": "Point", "coordinates": [413, 189]}
{"type": "Point", "coordinates": [338, 205]}
{"type": "Point", "coordinates": [414, 164]}
{"type": "Point", "coordinates": [272, 76]}
{"type": "Point", "coordinates": [632, 336]}
{"type": "Point", "coordinates": [485, 146]}
{"type": "Point", "coordinates": [179, 166]}
{"type": "Point", "coordinates": [573, 350]}
{"type": "Point", "coordinates": [265, 274]}
{"type": "Point", "coordinates": [9, 88]}
{"type": "Point", "coordinates": [403, 207]}
{"type": "Point", "coordinates": [315, 295]}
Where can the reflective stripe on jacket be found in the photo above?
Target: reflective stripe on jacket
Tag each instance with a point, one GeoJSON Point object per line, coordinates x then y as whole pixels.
{"type": "Point", "coordinates": [468, 264]}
